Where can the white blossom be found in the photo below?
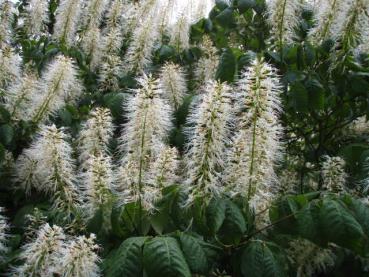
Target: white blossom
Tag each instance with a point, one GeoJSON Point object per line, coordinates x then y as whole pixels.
{"type": "Point", "coordinates": [110, 71]}
{"type": "Point", "coordinates": [256, 146]}
{"type": "Point", "coordinates": [173, 84]}
{"type": "Point", "coordinates": [37, 16]}
{"type": "Point", "coordinates": [333, 173]}
{"type": "Point", "coordinates": [59, 84]}
{"type": "Point", "coordinates": [180, 32]}
{"type": "Point", "coordinates": [6, 16]}
{"type": "Point", "coordinates": [79, 259]}
{"type": "Point", "coordinates": [66, 21]}
{"type": "Point", "coordinates": [207, 138]}
{"type": "Point", "coordinates": [39, 254]}
{"type": "Point", "coordinates": [283, 17]}
{"type": "Point", "coordinates": [19, 96]}
{"type": "Point", "coordinates": [92, 14]}
{"type": "Point", "coordinates": [92, 46]}
{"type": "Point", "coordinates": [9, 67]}
{"type": "Point", "coordinates": [4, 228]}
{"type": "Point", "coordinates": [95, 134]}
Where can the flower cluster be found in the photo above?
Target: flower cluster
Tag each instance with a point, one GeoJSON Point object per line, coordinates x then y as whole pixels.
{"type": "Point", "coordinates": [333, 173]}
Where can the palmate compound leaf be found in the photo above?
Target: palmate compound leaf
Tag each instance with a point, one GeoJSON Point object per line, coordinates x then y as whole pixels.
{"type": "Point", "coordinates": [127, 260]}
{"type": "Point", "coordinates": [162, 256]}
{"type": "Point", "coordinates": [262, 259]}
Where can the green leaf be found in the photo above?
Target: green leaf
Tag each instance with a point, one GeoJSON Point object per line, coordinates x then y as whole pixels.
{"type": "Point", "coordinates": [339, 226]}
{"type": "Point", "coordinates": [6, 134]}
{"type": "Point", "coordinates": [225, 18]}
{"type": "Point", "coordinates": [195, 253]}
{"type": "Point", "coordinates": [227, 66]}
{"type": "Point", "coordinates": [163, 257]}
{"type": "Point", "coordinates": [234, 225]}
{"type": "Point", "coordinates": [127, 260]}
{"type": "Point", "coordinates": [299, 96]}
{"type": "Point", "coordinates": [261, 258]}
{"type": "Point", "coordinates": [2, 153]}
{"type": "Point", "coordinates": [215, 214]}
{"type": "Point", "coordinates": [244, 5]}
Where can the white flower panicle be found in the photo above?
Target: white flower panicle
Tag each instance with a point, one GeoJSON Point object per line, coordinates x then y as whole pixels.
{"type": "Point", "coordinates": [256, 147]}
{"type": "Point", "coordinates": [180, 33]}
{"type": "Point", "coordinates": [354, 28]}
{"type": "Point", "coordinates": [92, 46]}
{"type": "Point", "coordinates": [283, 19]}
{"type": "Point", "coordinates": [163, 170]}
{"type": "Point", "coordinates": [333, 174]}
{"type": "Point", "coordinates": [37, 12]}
{"type": "Point", "coordinates": [9, 67]}
{"type": "Point", "coordinates": [95, 134]}
{"type": "Point", "coordinates": [79, 259]}
{"type": "Point", "coordinates": [26, 176]}
{"type": "Point", "coordinates": [111, 42]}
{"type": "Point", "coordinates": [97, 184]}
{"type": "Point", "coordinates": [328, 20]}
{"type": "Point", "coordinates": [39, 256]}
{"type": "Point", "coordinates": [19, 96]}
{"type": "Point", "coordinates": [207, 139]}
{"type": "Point", "coordinates": [114, 16]}
{"type": "Point", "coordinates": [173, 84]}
{"type": "Point", "coordinates": [59, 84]}
{"type": "Point", "coordinates": [309, 258]}
{"type": "Point", "coordinates": [138, 55]}
{"type": "Point", "coordinates": [4, 227]}
{"type": "Point", "coordinates": [207, 65]}
{"type": "Point", "coordinates": [110, 71]}
{"type": "Point", "coordinates": [51, 157]}
{"type": "Point", "coordinates": [149, 121]}
{"type": "Point", "coordinates": [66, 21]}
{"type": "Point", "coordinates": [6, 13]}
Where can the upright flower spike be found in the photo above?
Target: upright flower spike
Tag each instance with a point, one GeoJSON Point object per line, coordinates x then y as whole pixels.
{"type": "Point", "coordinates": [55, 169]}
{"type": "Point", "coordinates": [18, 97]}
{"type": "Point", "coordinates": [4, 227]}
{"type": "Point", "coordinates": [97, 183]}
{"type": "Point", "coordinates": [37, 16]}
{"type": "Point", "coordinates": [9, 67]}
{"type": "Point", "coordinates": [138, 55]}
{"type": "Point", "coordinates": [328, 20]}
{"type": "Point", "coordinates": [333, 173]}
{"type": "Point", "coordinates": [283, 19]}
{"type": "Point", "coordinates": [95, 134]}
{"type": "Point", "coordinates": [208, 137]}
{"type": "Point", "coordinates": [180, 32]}
{"type": "Point", "coordinates": [114, 16]}
{"type": "Point", "coordinates": [256, 146]}
{"type": "Point", "coordinates": [92, 46]}
{"type": "Point", "coordinates": [39, 256]}
{"type": "Point", "coordinates": [66, 21]}
{"type": "Point", "coordinates": [78, 258]}
{"type": "Point", "coordinates": [148, 124]}
{"type": "Point", "coordinates": [58, 84]}
{"type": "Point", "coordinates": [353, 31]}
{"type": "Point", "coordinates": [6, 13]}
{"type": "Point", "coordinates": [173, 84]}
{"type": "Point", "coordinates": [207, 65]}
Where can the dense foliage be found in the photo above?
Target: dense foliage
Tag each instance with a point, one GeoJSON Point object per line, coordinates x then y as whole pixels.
{"type": "Point", "coordinates": [233, 144]}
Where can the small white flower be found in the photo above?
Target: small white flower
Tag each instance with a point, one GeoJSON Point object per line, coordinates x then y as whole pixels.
{"type": "Point", "coordinates": [180, 32]}
{"type": "Point", "coordinates": [37, 16]}
{"type": "Point", "coordinates": [66, 21]}
{"type": "Point", "coordinates": [173, 84]}
{"type": "Point", "coordinates": [283, 17]}
{"type": "Point", "coordinates": [39, 255]}
{"type": "Point", "coordinates": [78, 258]}
{"type": "Point", "coordinates": [211, 121]}
{"type": "Point", "coordinates": [59, 84]}
{"type": "Point", "coordinates": [333, 173]}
